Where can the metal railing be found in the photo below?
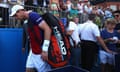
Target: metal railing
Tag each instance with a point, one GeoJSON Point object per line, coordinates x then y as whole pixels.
{"type": "Point", "coordinates": [11, 22]}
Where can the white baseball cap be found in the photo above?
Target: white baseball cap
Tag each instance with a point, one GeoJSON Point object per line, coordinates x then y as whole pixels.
{"type": "Point", "coordinates": [15, 8]}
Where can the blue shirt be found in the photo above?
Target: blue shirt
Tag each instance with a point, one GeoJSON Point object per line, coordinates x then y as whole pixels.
{"type": "Point", "coordinates": [105, 35]}
{"type": "Point", "coordinates": [35, 18]}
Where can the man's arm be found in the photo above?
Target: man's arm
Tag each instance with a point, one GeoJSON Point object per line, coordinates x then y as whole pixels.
{"type": "Point", "coordinates": [47, 34]}
{"type": "Point", "coordinates": [101, 41]}
{"type": "Point", "coordinates": [47, 31]}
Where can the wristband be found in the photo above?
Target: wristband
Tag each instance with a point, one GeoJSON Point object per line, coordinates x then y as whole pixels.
{"type": "Point", "coordinates": [45, 45]}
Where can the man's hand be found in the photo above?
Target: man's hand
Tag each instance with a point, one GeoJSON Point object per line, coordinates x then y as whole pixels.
{"type": "Point", "coordinates": [44, 55]}
{"type": "Point", "coordinates": [111, 52]}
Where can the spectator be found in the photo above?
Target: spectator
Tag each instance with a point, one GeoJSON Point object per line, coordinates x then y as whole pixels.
{"type": "Point", "coordinates": [108, 13]}
{"type": "Point", "coordinates": [63, 8]}
{"type": "Point", "coordinates": [116, 15]}
{"type": "Point", "coordinates": [95, 10]}
{"type": "Point", "coordinates": [90, 34]}
{"type": "Point", "coordinates": [74, 9]}
{"type": "Point", "coordinates": [63, 5]}
{"type": "Point", "coordinates": [80, 7]}
{"type": "Point", "coordinates": [54, 7]}
{"type": "Point", "coordinates": [39, 54]}
{"type": "Point", "coordinates": [69, 5]}
{"type": "Point", "coordinates": [110, 37]}
{"type": "Point", "coordinates": [74, 36]}
{"type": "Point", "coordinates": [87, 8]}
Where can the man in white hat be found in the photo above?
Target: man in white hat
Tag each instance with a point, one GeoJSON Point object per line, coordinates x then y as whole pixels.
{"type": "Point", "coordinates": [39, 55]}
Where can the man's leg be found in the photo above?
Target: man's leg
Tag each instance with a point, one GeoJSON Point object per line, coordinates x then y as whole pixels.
{"type": "Point", "coordinates": [29, 63]}
{"type": "Point", "coordinates": [30, 70]}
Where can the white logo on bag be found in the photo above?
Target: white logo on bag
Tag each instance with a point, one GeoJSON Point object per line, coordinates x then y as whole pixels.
{"type": "Point", "coordinates": [61, 43]}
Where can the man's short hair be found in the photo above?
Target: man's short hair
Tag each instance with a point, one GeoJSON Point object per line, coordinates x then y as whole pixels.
{"type": "Point", "coordinates": [91, 17]}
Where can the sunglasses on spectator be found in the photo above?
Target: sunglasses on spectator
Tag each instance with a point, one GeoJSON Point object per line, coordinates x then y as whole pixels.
{"type": "Point", "coordinates": [116, 15]}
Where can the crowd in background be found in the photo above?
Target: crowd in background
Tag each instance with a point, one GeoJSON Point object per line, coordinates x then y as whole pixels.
{"type": "Point", "coordinates": [60, 8]}
{"type": "Point", "coordinates": [73, 14]}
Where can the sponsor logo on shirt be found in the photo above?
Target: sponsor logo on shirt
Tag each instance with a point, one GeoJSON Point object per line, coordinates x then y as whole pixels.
{"type": "Point", "coordinates": [39, 19]}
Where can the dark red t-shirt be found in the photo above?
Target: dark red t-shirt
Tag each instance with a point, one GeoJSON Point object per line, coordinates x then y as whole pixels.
{"type": "Point", "coordinates": [35, 33]}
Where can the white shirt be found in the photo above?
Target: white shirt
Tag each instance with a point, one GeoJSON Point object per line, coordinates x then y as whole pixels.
{"type": "Point", "coordinates": [72, 25]}
{"type": "Point", "coordinates": [80, 6]}
{"type": "Point", "coordinates": [87, 9]}
{"type": "Point", "coordinates": [75, 35]}
{"type": "Point", "coordinates": [108, 14]}
{"type": "Point", "coordinates": [69, 7]}
{"type": "Point", "coordinates": [100, 11]}
{"type": "Point", "coordinates": [88, 31]}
